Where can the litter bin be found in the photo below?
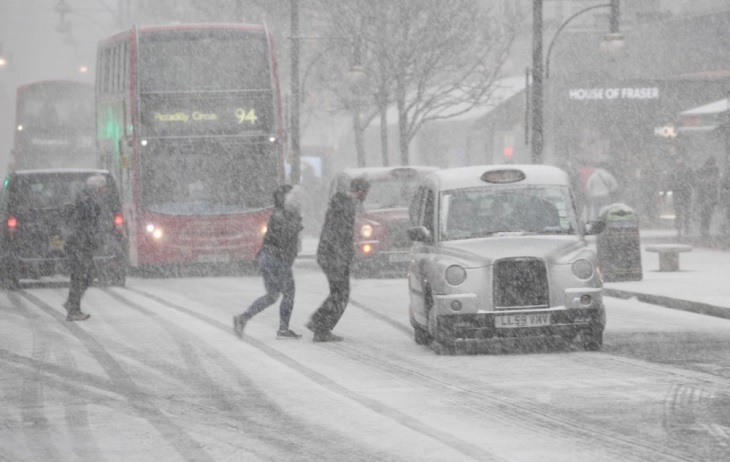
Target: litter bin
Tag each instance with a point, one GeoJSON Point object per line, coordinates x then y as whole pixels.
{"type": "Point", "coordinates": [619, 248]}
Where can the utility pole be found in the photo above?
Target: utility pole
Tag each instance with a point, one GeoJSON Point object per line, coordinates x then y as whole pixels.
{"type": "Point", "coordinates": [295, 99]}
{"type": "Point", "coordinates": [537, 87]}
{"type": "Point", "coordinates": [356, 89]}
{"type": "Point", "coordinates": [614, 17]}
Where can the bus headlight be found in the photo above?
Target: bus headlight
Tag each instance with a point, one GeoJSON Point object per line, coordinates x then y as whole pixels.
{"type": "Point", "coordinates": [455, 275]}
{"type": "Point", "coordinates": [366, 231]}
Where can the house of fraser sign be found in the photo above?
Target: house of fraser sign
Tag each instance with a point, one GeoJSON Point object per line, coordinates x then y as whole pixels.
{"type": "Point", "coordinates": [624, 93]}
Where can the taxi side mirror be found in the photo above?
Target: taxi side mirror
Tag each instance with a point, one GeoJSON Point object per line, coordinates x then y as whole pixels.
{"type": "Point", "coordinates": [595, 227]}
{"type": "Point", "coordinates": [419, 234]}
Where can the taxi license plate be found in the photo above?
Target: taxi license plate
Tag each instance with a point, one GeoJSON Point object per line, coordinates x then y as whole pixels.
{"type": "Point", "coordinates": [214, 258]}
{"type": "Point", "coordinates": [398, 257]}
{"type": "Point", "coordinates": [509, 321]}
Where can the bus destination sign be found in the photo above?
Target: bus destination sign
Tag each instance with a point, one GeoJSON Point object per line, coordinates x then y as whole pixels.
{"type": "Point", "coordinates": [213, 116]}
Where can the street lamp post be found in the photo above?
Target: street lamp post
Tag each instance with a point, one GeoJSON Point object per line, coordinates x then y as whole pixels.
{"type": "Point", "coordinates": [295, 135]}
{"type": "Point", "coordinates": [355, 78]}
{"type": "Point", "coordinates": [612, 41]}
{"type": "Point", "coordinates": [536, 89]}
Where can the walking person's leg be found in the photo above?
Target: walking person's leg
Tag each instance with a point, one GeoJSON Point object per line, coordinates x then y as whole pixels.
{"type": "Point", "coordinates": [73, 302]}
{"type": "Point", "coordinates": [81, 270]}
{"type": "Point", "coordinates": [268, 268]}
{"type": "Point", "coordinates": [288, 290]}
{"type": "Point", "coordinates": [326, 317]}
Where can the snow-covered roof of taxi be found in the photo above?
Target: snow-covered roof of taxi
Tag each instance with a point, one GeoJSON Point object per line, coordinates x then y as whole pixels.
{"type": "Point", "coordinates": [470, 177]}
{"type": "Point", "coordinates": [377, 173]}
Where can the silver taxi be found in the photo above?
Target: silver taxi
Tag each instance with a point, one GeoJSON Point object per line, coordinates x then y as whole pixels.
{"type": "Point", "coordinates": [498, 253]}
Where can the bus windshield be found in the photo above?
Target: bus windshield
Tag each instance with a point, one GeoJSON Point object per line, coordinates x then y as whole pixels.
{"type": "Point", "coordinates": [203, 60]}
{"type": "Point", "coordinates": [215, 179]}
{"type": "Point", "coordinates": [57, 108]}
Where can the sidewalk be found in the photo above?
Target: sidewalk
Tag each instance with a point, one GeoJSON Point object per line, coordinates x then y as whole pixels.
{"type": "Point", "coordinates": [702, 285]}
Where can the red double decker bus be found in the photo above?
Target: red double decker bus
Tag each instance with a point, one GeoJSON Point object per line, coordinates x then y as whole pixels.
{"type": "Point", "coordinates": [54, 125]}
{"type": "Point", "coordinates": [188, 120]}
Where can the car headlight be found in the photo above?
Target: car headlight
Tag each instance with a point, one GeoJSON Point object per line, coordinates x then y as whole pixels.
{"type": "Point", "coordinates": [154, 231]}
{"type": "Point", "coordinates": [455, 275]}
{"type": "Point", "coordinates": [583, 269]}
{"type": "Point", "coordinates": [366, 231]}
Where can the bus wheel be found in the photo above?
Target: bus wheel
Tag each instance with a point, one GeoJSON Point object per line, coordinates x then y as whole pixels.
{"type": "Point", "coordinates": [10, 282]}
{"type": "Point", "coordinates": [9, 276]}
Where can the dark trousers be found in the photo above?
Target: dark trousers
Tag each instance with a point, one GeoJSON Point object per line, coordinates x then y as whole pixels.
{"type": "Point", "coordinates": [278, 280]}
{"type": "Point", "coordinates": [82, 275]}
{"type": "Point", "coordinates": [329, 313]}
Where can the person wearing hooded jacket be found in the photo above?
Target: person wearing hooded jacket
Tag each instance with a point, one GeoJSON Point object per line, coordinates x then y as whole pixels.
{"type": "Point", "coordinates": [276, 258]}
{"type": "Point", "coordinates": [83, 242]}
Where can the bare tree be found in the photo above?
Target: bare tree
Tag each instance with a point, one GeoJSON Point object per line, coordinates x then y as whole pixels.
{"type": "Point", "coordinates": [435, 59]}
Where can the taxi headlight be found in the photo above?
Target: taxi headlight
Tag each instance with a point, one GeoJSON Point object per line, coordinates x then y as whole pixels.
{"type": "Point", "coordinates": [583, 269]}
{"type": "Point", "coordinates": [366, 231]}
{"type": "Point", "coordinates": [455, 275]}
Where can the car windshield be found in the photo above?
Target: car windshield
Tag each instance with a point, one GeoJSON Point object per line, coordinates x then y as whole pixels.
{"type": "Point", "coordinates": [390, 193]}
{"type": "Point", "coordinates": [43, 192]}
{"type": "Point", "coordinates": [483, 212]}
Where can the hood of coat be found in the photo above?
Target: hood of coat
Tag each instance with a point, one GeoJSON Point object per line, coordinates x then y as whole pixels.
{"type": "Point", "coordinates": [280, 195]}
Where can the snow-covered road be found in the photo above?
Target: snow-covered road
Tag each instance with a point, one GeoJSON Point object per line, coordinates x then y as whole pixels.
{"type": "Point", "coordinates": [156, 374]}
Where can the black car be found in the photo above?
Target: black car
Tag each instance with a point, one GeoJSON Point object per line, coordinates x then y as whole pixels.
{"type": "Point", "coordinates": [34, 208]}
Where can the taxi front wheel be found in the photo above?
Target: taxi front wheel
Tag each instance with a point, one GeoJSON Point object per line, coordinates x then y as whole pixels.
{"type": "Point", "coordinates": [592, 339]}
{"type": "Point", "coordinates": [421, 336]}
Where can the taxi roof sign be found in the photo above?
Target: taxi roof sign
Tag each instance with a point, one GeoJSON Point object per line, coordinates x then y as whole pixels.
{"type": "Point", "coordinates": [503, 176]}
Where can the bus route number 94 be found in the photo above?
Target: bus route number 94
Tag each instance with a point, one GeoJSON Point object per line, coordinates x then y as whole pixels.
{"type": "Point", "coordinates": [246, 116]}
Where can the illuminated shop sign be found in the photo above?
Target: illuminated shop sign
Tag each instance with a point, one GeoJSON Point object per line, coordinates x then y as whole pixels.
{"type": "Point", "coordinates": [623, 93]}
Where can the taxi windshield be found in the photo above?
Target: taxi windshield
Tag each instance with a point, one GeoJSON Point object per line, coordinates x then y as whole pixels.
{"type": "Point", "coordinates": [484, 212]}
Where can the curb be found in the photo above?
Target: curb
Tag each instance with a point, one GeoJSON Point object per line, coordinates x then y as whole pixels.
{"type": "Point", "coordinates": [667, 302]}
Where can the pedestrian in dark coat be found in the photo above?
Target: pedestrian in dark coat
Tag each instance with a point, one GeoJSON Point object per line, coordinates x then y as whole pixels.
{"type": "Point", "coordinates": [84, 240]}
{"type": "Point", "coordinates": [275, 259]}
{"type": "Point", "coordinates": [680, 183]}
{"type": "Point", "coordinates": [335, 252]}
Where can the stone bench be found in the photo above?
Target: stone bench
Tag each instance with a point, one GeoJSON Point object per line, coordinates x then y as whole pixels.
{"type": "Point", "coordinates": [668, 255]}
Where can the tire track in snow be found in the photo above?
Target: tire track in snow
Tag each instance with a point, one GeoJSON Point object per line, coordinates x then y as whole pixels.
{"type": "Point", "coordinates": [178, 439]}
{"type": "Point", "coordinates": [403, 419]}
{"type": "Point", "coordinates": [256, 421]}
{"type": "Point", "coordinates": [549, 421]}
{"type": "Point", "coordinates": [35, 424]}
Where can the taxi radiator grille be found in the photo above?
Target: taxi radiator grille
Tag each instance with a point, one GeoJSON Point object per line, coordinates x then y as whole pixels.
{"type": "Point", "coordinates": [519, 283]}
